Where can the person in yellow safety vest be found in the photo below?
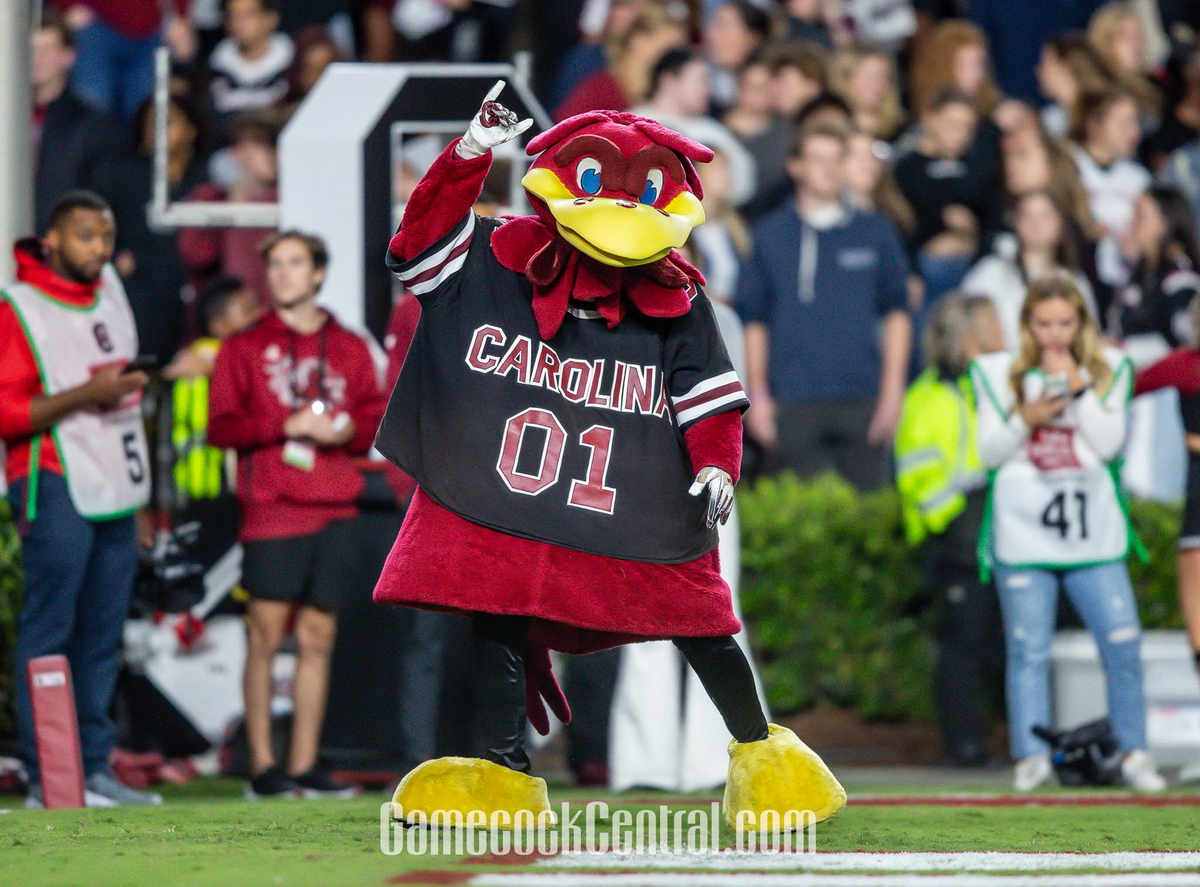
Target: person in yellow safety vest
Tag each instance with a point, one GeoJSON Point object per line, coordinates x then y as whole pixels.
{"type": "Point", "coordinates": [226, 307]}
{"type": "Point", "coordinates": [943, 491]}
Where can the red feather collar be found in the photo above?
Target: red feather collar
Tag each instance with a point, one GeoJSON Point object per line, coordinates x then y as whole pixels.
{"type": "Point", "coordinates": [559, 273]}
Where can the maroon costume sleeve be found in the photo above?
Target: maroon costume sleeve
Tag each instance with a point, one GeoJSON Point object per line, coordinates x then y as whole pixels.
{"type": "Point", "coordinates": [442, 199]}
{"type": "Point", "coordinates": [717, 441]}
{"type": "Point", "coordinates": [1180, 369]}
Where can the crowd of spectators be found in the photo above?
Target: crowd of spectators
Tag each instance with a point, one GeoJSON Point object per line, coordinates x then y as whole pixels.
{"type": "Point", "coordinates": [871, 157]}
{"type": "Point", "coordinates": [953, 113]}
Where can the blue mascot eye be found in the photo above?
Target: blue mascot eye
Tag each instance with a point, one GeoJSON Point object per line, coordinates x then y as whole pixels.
{"type": "Point", "coordinates": [587, 173]}
{"type": "Point", "coordinates": [654, 184]}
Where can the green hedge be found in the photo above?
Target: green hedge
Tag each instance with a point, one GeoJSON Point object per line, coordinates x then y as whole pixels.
{"type": "Point", "coordinates": [10, 609]}
{"type": "Point", "coordinates": [832, 595]}
{"type": "Point", "coordinates": [830, 592]}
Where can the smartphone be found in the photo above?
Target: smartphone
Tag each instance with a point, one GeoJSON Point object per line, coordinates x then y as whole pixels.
{"type": "Point", "coordinates": [1057, 385]}
{"type": "Point", "coordinates": [143, 362]}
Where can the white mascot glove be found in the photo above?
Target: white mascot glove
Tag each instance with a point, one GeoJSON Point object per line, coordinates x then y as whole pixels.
{"type": "Point", "coordinates": [494, 125]}
{"type": "Point", "coordinates": [720, 493]}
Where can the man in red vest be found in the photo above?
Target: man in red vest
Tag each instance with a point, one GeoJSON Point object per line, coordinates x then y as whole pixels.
{"type": "Point", "coordinates": [78, 468]}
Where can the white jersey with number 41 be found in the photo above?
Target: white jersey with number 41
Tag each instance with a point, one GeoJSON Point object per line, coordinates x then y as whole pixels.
{"type": "Point", "coordinates": [1055, 502]}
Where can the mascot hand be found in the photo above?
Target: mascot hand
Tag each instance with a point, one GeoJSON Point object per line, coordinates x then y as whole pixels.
{"type": "Point", "coordinates": [493, 125]}
{"type": "Point", "coordinates": [720, 493]}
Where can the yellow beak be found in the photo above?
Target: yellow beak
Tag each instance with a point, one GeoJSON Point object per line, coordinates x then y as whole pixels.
{"type": "Point", "coordinates": [616, 232]}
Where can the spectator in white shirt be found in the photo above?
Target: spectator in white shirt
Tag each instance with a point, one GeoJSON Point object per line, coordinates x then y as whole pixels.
{"type": "Point", "coordinates": [1108, 135]}
{"type": "Point", "coordinates": [1041, 244]}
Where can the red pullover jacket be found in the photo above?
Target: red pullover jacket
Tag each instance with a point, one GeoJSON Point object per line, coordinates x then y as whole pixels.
{"type": "Point", "coordinates": [264, 374]}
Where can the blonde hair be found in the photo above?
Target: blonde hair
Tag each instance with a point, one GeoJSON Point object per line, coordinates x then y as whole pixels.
{"type": "Point", "coordinates": [1086, 347]}
{"type": "Point", "coordinates": [933, 65]}
{"type": "Point", "coordinates": [1101, 30]}
{"type": "Point", "coordinates": [889, 115]}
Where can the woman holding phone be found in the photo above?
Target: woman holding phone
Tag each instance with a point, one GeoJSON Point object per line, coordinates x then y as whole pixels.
{"type": "Point", "coordinates": [1052, 421]}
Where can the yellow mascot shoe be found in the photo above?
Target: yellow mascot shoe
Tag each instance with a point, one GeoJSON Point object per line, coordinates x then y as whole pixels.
{"type": "Point", "coordinates": [461, 786]}
{"type": "Point", "coordinates": [779, 773]}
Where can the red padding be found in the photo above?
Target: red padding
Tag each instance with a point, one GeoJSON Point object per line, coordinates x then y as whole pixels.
{"type": "Point", "coordinates": [57, 730]}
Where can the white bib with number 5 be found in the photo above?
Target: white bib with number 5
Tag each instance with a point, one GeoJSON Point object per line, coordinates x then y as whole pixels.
{"type": "Point", "coordinates": [1055, 502]}
{"type": "Point", "coordinates": [104, 453]}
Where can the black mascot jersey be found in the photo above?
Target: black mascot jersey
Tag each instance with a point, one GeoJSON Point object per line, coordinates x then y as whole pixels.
{"type": "Point", "coordinates": [561, 431]}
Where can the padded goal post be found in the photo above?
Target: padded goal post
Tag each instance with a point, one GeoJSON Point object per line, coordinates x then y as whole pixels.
{"type": "Point", "coordinates": [56, 730]}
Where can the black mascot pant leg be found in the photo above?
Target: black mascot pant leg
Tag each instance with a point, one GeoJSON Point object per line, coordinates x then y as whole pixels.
{"type": "Point", "coordinates": [591, 682]}
{"type": "Point", "coordinates": [498, 665]}
{"type": "Point", "coordinates": [725, 673]}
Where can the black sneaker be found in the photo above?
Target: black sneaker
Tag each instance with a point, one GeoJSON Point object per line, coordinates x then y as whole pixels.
{"type": "Point", "coordinates": [271, 783]}
{"type": "Point", "coordinates": [318, 783]}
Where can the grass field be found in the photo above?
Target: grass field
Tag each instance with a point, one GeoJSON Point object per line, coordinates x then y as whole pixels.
{"type": "Point", "coordinates": [206, 836]}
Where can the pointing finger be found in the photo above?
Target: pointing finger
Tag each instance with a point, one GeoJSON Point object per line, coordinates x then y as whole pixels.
{"type": "Point", "coordinates": [495, 91]}
{"type": "Point", "coordinates": [523, 125]}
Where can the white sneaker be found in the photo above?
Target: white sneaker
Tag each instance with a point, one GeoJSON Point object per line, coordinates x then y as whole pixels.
{"type": "Point", "coordinates": [105, 784]}
{"type": "Point", "coordinates": [1140, 773]}
{"type": "Point", "coordinates": [1032, 772]}
{"type": "Point", "coordinates": [33, 800]}
{"type": "Point", "coordinates": [1190, 774]}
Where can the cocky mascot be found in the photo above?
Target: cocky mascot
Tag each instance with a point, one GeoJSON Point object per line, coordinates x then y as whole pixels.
{"type": "Point", "coordinates": [574, 423]}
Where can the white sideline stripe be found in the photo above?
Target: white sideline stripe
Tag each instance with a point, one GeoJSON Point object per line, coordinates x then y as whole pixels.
{"type": "Point", "coordinates": [753, 879]}
{"type": "Point", "coordinates": [969, 861]}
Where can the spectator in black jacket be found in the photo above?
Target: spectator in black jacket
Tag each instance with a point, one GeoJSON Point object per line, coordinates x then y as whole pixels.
{"type": "Point", "coordinates": [155, 278]}
{"type": "Point", "coordinates": [71, 139]}
{"type": "Point", "coordinates": [952, 191]}
{"type": "Point", "coordinates": [1151, 313]}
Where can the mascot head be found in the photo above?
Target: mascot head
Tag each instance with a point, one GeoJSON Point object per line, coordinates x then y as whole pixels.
{"type": "Point", "coordinates": [618, 187]}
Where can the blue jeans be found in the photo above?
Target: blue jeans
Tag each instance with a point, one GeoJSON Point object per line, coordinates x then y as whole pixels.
{"type": "Point", "coordinates": [1103, 597]}
{"type": "Point", "coordinates": [113, 71]}
{"type": "Point", "coordinates": [78, 581]}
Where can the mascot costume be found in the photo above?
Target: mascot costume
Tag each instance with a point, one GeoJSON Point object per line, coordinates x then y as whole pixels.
{"type": "Point", "coordinates": [574, 425]}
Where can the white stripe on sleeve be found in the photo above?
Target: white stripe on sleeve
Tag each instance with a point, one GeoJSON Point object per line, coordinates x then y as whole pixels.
{"type": "Point", "coordinates": [438, 257]}
{"type": "Point", "coordinates": [448, 270]}
{"type": "Point", "coordinates": [708, 407]}
{"type": "Point", "coordinates": [706, 386]}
